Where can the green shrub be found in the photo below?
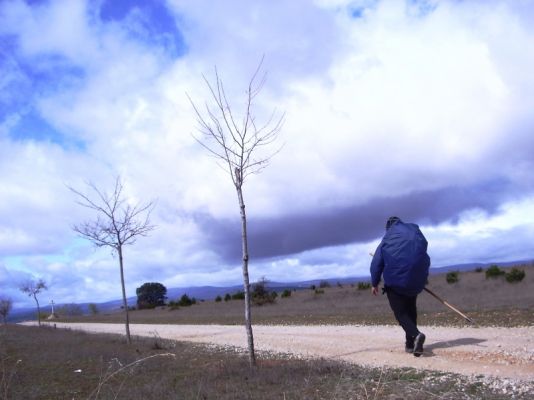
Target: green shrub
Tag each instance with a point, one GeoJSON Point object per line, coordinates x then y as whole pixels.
{"type": "Point", "coordinates": [452, 277]}
{"type": "Point", "coordinates": [238, 296]}
{"type": "Point", "coordinates": [227, 297]}
{"type": "Point", "coordinates": [286, 293]}
{"type": "Point", "coordinates": [515, 275]}
{"type": "Point", "coordinates": [319, 291]}
{"type": "Point", "coordinates": [218, 299]}
{"type": "Point", "coordinates": [185, 301]}
{"type": "Point", "coordinates": [260, 293]}
{"type": "Point", "coordinates": [494, 271]}
{"type": "Point", "coordinates": [150, 295]}
{"type": "Point", "coordinates": [93, 309]}
{"type": "Point", "coordinates": [479, 269]}
{"type": "Point", "coordinates": [364, 285]}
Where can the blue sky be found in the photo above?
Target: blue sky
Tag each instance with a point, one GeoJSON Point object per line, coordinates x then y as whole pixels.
{"type": "Point", "coordinates": [421, 109]}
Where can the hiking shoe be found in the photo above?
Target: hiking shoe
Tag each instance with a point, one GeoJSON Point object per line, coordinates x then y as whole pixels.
{"type": "Point", "coordinates": [418, 344]}
{"type": "Point", "coordinates": [409, 344]}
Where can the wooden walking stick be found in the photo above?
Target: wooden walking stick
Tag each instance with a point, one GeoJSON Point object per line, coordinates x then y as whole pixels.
{"type": "Point", "coordinates": [449, 305]}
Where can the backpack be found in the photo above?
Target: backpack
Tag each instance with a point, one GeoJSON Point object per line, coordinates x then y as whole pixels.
{"type": "Point", "coordinates": [406, 262]}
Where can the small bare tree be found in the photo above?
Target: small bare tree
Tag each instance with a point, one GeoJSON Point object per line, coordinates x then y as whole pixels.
{"type": "Point", "coordinates": [237, 142]}
{"type": "Point", "coordinates": [5, 308]}
{"type": "Point", "coordinates": [117, 224]}
{"type": "Point", "coordinates": [32, 289]}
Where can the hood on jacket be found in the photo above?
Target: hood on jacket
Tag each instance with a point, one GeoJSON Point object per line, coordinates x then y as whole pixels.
{"type": "Point", "coordinates": [392, 221]}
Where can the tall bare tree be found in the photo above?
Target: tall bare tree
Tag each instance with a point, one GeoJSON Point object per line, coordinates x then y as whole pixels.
{"type": "Point", "coordinates": [117, 224]}
{"type": "Point", "coordinates": [5, 308]}
{"type": "Point", "coordinates": [238, 142]}
{"type": "Point", "coordinates": [32, 289]}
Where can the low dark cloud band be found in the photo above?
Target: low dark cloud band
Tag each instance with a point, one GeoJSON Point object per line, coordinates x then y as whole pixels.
{"type": "Point", "coordinates": [290, 234]}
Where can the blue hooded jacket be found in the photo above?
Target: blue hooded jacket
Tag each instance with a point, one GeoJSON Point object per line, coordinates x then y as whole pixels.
{"type": "Point", "coordinates": [402, 259]}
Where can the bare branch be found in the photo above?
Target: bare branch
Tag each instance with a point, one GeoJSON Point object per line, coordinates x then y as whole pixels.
{"type": "Point", "coordinates": [233, 144]}
{"type": "Point", "coordinates": [116, 223]}
{"type": "Point", "coordinates": [85, 201]}
{"type": "Point", "coordinates": [231, 125]}
{"type": "Point", "coordinates": [97, 233]}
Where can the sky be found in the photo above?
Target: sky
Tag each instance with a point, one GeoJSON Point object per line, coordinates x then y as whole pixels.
{"type": "Point", "coordinates": [420, 109]}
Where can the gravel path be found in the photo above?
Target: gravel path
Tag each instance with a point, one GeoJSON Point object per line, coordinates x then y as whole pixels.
{"type": "Point", "coordinates": [494, 352]}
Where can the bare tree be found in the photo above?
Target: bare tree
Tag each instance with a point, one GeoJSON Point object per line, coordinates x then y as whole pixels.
{"type": "Point", "coordinates": [33, 288]}
{"type": "Point", "coordinates": [5, 308]}
{"type": "Point", "coordinates": [236, 142]}
{"type": "Point", "coordinates": [117, 224]}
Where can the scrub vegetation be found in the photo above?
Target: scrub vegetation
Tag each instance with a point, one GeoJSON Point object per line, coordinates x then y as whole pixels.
{"type": "Point", "coordinates": [494, 272]}
{"type": "Point", "coordinates": [515, 275]}
{"type": "Point", "coordinates": [452, 277]}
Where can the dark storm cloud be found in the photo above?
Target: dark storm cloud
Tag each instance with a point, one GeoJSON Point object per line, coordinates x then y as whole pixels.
{"type": "Point", "coordinates": [292, 234]}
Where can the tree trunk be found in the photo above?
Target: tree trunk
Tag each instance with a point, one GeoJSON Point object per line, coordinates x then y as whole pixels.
{"type": "Point", "coordinates": [246, 283]}
{"type": "Point", "coordinates": [124, 301]}
{"type": "Point", "coordinates": [38, 310]}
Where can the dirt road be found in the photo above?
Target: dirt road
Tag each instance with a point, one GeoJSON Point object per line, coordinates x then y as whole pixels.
{"type": "Point", "coordinates": [498, 352]}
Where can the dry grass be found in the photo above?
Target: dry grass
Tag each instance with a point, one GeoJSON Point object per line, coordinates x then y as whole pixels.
{"type": "Point", "coordinates": [490, 302]}
{"type": "Point", "coordinates": [46, 363]}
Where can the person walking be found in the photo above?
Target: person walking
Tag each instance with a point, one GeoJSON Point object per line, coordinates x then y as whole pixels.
{"type": "Point", "coordinates": [401, 259]}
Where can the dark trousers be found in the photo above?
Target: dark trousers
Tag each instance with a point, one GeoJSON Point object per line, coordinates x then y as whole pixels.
{"type": "Point", "coordinates": [405, 311]}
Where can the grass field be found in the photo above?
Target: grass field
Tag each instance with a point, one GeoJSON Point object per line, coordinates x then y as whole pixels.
{"type": "Point", "coordinates": [490, 302]}
{"type": "Point", "coordinates": [46, 363]}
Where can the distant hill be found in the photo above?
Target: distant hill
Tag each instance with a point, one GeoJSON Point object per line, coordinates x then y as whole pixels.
{"type": "Point", "coordinates": [211, 292]}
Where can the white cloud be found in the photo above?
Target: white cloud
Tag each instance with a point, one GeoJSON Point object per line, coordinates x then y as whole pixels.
{"type": "Point", "coordinates": [478, 237]}
{"type": "Point", "coordinates": [296, 37]}
{"type": "Point", "coordinates": [58, 28]}
{"type": "Point", "coordinates": [396, 100]}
